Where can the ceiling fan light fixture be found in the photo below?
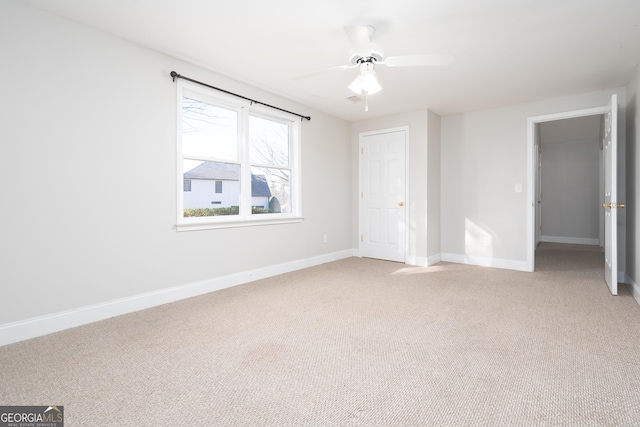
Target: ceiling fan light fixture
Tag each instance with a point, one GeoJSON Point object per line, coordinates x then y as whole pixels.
{"type": "Point", "coordinates": [366, 81]}
{"type": "Point", "coordinates": [356, 85]}
{"type": "Point", "coordinates": [370, 83]}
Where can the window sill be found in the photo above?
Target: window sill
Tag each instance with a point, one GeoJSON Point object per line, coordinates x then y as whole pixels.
{"type": "Point", "coordinates": [194, 226]}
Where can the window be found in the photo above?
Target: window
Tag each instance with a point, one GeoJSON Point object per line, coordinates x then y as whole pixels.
{"type": "Point", "coordinates": [242, 159]}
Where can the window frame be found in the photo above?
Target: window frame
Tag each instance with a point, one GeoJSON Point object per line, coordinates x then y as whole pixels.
{"type": "Point", "coordinates": [244, 109]}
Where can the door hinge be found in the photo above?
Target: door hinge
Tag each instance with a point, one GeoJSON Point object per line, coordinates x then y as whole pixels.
{"type": "Point", "coordinates": [361, 150]}
{"type": "Point", "coordinates": [361, 239]}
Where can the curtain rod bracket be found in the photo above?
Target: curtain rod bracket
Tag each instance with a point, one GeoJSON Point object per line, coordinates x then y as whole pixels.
{"type": "Point", "coordinates": [175, 76]}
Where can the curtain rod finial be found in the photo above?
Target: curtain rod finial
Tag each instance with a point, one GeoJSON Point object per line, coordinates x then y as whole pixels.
{"type": "Point", "coordinates": [174, 75]}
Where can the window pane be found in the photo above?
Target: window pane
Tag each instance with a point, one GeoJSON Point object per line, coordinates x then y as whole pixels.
{"type": "Point", "coordinates": [203, 199]}
{"type": "Point", "coordinates": [209, 131]}
{"type": "Point", "coordinates": [269, 142]}
{"type": "Point", "coordinates": [270, 190]}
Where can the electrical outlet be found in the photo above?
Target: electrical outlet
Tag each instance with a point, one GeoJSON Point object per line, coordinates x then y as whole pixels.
{"type": "Point", "coordinates": [518, 188]}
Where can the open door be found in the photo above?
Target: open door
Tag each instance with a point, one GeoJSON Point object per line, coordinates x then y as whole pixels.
{"type": "Point", "coordinates": [611, 205]}
{"type": "Point", "coordinates": [538, 154]}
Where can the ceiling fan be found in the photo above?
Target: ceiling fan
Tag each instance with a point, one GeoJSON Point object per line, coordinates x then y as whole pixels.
{"type": "Point", "coordinates": [366, 55]}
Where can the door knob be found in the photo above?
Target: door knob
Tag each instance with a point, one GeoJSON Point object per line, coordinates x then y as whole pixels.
{"type": "Point", "coordinates": [400, 203]}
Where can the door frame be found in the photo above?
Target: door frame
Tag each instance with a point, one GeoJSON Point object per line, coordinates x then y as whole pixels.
{"type": "Point", "coordinates": [532, 170]}
{"type": "Point", "coordinates": [407, 202]}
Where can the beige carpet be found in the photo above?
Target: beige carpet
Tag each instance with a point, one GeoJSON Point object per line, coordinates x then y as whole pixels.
{"type": "Point", "coordinates": [356, 342]}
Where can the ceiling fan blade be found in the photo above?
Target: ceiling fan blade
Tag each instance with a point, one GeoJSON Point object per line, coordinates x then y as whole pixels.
{"type": "Point", "coordinates": [437, 59]}
{"type": "Point", "coordinates": [360, 38]}
{"type": "Point", "coordinates": [323, 71]}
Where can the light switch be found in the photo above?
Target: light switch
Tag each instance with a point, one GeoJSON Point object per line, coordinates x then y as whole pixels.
{"type": "Point", "coordinates": [518, 188]}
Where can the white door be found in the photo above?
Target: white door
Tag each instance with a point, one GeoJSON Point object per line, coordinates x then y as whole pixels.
{"type": "Point", "coordinates": [538, 155]}
{"type": "Point", "coordinates": [610, 147]}
{"type": "Point", "coordinates": [383, 195]}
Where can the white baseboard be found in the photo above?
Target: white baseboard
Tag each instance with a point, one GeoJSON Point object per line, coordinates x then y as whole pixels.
{"type": "Point", "coordinates": [434, 259]}
{"type": "Point", "coordinates": [418, 261]}
{"type": "Point", "coordinates": [570, 240]}
{"type": "Point", "coordinates": [486, 262]}
{"type": "Point", "coordinates": [633, 287]}
{"type": "Point", "coordinates": [43, 325]}
{"type": "Point", "coordinates": [421, 261]}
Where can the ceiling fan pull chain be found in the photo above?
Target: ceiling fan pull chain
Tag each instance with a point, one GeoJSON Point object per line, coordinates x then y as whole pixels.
{"type": "Point", "coordinates": [366, 100]}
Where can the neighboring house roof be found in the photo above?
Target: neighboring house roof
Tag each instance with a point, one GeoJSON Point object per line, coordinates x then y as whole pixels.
{"type": "Point", "coordinates": [214, 171]}
{"type": "Point", "coordinates": [260, 186]}
{"type": "Point", "coordinates": [229, 172]}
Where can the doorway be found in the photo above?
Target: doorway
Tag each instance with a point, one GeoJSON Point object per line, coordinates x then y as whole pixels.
{"type": "Point", "coordinates": [570, 181]}
{"type": "Point", "coordinates": [561, 130]}
{"type": "Point", "coordinates": [610, 192]}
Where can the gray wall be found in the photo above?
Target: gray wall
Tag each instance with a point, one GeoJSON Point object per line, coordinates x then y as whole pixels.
{"type": "Point", "coordinates": [88, 175]}
{"type": "Point", "coordinates": [484, 154]}
{"type": "Point", "coordinates": [433, 182]}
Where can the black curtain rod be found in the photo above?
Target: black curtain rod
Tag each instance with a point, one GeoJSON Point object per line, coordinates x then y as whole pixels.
{"type": "Point", "coordinates": [175, 76]}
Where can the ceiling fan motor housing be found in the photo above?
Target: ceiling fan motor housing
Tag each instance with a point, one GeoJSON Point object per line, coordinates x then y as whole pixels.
{"type": "Point", "coordinates": [376, 55]}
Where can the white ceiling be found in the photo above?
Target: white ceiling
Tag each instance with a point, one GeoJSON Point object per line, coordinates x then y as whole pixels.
{"type": "Point", "coordinates": [507, 51]}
